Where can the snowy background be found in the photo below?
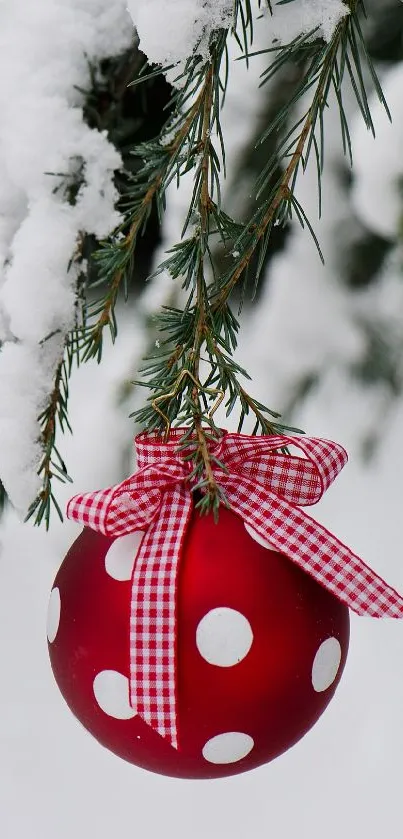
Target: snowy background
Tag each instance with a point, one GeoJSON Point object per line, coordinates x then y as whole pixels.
{"type": "Point", "coordinates": [56, 782]}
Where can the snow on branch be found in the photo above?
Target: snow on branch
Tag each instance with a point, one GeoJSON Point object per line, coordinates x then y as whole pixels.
{"type": "Point", "coordinates": [46, 49]}
{"type": "Point", "coordinates": [300, 17]}
{"type": "Point", "coordinates": [172, 30]}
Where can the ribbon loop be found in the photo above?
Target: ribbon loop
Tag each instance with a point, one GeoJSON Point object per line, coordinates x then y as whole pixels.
{"type": "Point", "coordinates": [301, 481]}
{"type": "Point", "coordinates": [266, 487]}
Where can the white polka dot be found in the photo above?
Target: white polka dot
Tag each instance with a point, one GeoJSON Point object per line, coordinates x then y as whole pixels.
{"type": "Point", "coordinates": [53, 614]}
{"type": "Point", "coordinates": [111, 690]}
{"type": "Point", "coordinates": [326, 664]}
{"type": "Point", "coordinates": [224, 637]}
{"type": "Point", "coordinates": [258, 538]}
{"type": "Point", "coordinates": [119, 560]}
{"type": "Point", "coordinates": [228, 747]}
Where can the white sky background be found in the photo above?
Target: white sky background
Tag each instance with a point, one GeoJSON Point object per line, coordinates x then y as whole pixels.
{"type": "Point", "coordinates": [344, 777]}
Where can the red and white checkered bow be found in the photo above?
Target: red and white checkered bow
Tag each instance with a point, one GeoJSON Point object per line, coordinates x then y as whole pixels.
{"type": "Point", "coordinates": [266, 488]}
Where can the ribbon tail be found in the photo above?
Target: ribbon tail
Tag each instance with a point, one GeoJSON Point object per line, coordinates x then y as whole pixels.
{"type": "Point", "coordinates": [153, 618]}
{"type": "Point", "coordinates": [313, 548]}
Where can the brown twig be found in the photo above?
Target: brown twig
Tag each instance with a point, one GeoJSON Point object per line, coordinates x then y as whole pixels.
{"type": "Point", "coordinates": [283, 190]}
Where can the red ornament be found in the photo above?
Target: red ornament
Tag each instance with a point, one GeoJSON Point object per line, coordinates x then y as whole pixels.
{"type": "Point", "coordinates": [197, 649]}
{"type": "Point", "coordinates": [261, 649]}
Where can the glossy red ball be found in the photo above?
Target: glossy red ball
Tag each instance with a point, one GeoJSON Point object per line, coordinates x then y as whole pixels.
{"type": "Point", "coordinates": [261, 649]}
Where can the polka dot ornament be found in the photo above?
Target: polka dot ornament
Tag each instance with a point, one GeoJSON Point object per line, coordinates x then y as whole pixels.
{"type": "Point", "coordinates": [261, 649]}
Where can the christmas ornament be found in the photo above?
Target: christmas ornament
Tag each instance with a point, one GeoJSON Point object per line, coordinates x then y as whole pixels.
{"type": "Point", "coordinates": [196, 648]}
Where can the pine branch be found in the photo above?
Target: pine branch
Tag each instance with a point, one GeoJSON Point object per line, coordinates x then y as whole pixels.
{"type": "Point", "coordinates": [115, 258]}
{"type": "Point", "coordinates": [207, 323]}
{"type": "Point", "coordinates": [193, 369]}
{"type": "Point", "coordinates": [52, 464]}
{"type": "Point", "coordinates": [328, 64]}
{"type": "Point", "coordinates": [173, 375]}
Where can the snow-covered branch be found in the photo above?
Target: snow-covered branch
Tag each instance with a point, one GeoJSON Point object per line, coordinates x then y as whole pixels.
{"type": "Point", "coordinates": [46, 50]}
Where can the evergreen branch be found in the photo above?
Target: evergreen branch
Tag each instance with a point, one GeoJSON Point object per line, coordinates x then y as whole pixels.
{"type": "Point", "coordinates": [192, 257]}
{"type": "Point", "coordinates": [55, 413]}
{"type": "Point", "coordinates": [194, 361]}
{"type": "Point", "coordinates": [207, 324]}
{"type": "Point", "coordinates": [115, 258]}
{"type": "Point", "coordinates": [52, 464]}
{"type": "Point", "coordinates": [326, 70]}
{"type": "Point", "coordinates": [202, 464]}
{"type": "Point", "coordinates": [174, 375]}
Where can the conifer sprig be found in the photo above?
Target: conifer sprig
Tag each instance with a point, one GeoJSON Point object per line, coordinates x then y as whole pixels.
{"type": "Point", "coordinates": [192, 367]}
{"type": "Point", "coordinates": [52, 465]}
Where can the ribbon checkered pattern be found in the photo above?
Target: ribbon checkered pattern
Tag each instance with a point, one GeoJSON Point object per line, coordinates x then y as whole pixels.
{"type": "Point", "coordinates": [266, 488]}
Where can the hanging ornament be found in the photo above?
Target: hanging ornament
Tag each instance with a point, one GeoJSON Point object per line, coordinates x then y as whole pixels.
{"type": "Point", "coordinates": [199, 648]}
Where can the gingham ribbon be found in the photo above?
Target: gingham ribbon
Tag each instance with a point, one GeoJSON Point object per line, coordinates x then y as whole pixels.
{"type": "Point", "coordinates": [266, 488]}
